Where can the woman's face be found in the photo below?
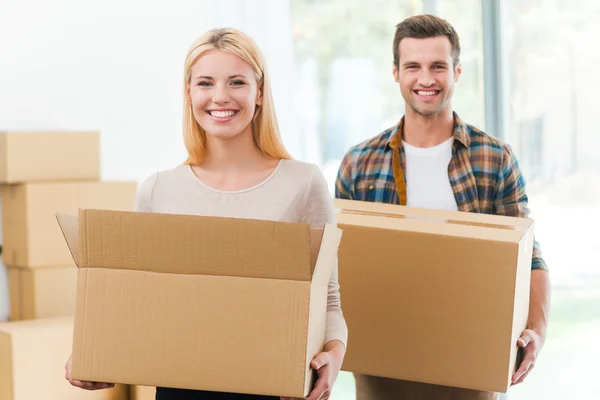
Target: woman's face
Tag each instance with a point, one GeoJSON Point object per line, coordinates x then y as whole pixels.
{"type": "Point", "coordinates": [224, 94]}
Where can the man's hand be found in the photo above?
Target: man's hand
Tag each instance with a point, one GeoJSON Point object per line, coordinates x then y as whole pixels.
{"type": "Point", "coordinates": [328, 365]}
{"type": "Point", "coordinates": [531, 343]}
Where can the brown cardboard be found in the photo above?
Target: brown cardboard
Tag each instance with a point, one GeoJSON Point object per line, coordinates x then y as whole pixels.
{"type": "Point", "coordinates": [42, 292]}
{"type": "Point", "coordinates": [31, 236]}
{"type": "Point", "coordinates": [32, 363]}
{"type": "Point", "coordinates": [42, 156]}
{"type": "Point", "coordinates": [211, 298]}
{"type": "Point", "coordinates": [434, 296]}
{"type": "Point", "coordinates": [143, 393]}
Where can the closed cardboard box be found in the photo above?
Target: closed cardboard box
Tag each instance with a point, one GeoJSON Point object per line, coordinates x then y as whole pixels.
{"type": "Point", "coordinates": [220, 304]}
{"type": "Point", "coordinates": [143, 393]}
{"type": "Point", "coordinates": [43, 292]}
{"type": "Point", "coordinates": [42, 156]}
{"type": "Point", "coordinates": [31, 236]}
{"type": "Point", "coordinates": [32, 363]}
{"type": "Point", "coordinates": [434, 296]}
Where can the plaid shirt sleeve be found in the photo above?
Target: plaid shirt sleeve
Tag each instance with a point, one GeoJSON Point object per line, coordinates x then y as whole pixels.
{"type": "Point", "coordinates": [344, 188]}
{"type": "Point", "coordinates": [511, 198]}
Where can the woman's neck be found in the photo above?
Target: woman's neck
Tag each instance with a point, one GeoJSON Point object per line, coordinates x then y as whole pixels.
{"type": "Point", "coordinates": [231, 155]}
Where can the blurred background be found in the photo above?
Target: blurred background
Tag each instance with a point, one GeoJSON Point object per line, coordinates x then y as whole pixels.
{"type": "Point", "coordinates": [529, 77]}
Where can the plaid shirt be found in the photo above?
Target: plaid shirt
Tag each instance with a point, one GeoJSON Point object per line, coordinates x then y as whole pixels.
{"type": "Point", "coordinates": [483, 172]}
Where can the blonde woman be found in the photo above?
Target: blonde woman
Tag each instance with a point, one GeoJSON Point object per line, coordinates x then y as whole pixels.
{"type": "Point", "coordinates": [237, 166]}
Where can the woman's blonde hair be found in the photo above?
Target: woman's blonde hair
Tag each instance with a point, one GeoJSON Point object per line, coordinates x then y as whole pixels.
{"type": "Point", "coordinates": [265, 129]}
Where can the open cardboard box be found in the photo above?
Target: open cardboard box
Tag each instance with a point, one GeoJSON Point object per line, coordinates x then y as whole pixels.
{"type": "Point", "coordinates": [434, 296]}
{"type": "Point", "coordinates": [220, 304]}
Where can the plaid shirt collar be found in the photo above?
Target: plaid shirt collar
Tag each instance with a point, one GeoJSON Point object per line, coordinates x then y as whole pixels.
{"type": "Point", "coordinates": [461, 133]}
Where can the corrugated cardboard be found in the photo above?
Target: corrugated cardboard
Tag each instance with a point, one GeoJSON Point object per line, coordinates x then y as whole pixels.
{"type": "Point", "coordinates": [434, 296]}
{"type": "Point", "coordinates": [31, 236]}
{"type": "Point", "coordinates": [32, 363]}
{"type": "Point", "coordinates": [4, 295]}
{"type": "Point", "coordinates": [143, 393]}
{"type": "Point", "coordinates": [220, 304]}
{"type": "Point", "coordinates": [42, 292]}
{"type": "Point", "coordinates": [41, 156]}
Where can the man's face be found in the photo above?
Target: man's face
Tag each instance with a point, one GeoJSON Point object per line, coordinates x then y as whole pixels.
{"type": "Point", "coordinates": [426, 74]}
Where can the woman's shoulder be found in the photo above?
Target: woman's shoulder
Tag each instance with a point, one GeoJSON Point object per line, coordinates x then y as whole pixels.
{"type": "Point", "coordinates": [301, 169]}
{"type": "Point", "coordinates": [159, 180]}
{"type": "Point", "coordinates": [167, 176]}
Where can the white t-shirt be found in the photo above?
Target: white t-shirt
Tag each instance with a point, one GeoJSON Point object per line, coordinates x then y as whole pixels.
{"type": "Point", "coordinates": [427, 182]}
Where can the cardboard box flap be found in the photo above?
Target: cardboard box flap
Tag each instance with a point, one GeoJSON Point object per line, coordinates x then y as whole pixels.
{"type": "Point", "coordinates": [451, 217]}
{"type": "Point", "coordinates": [316, 238]}
{"type": "Point", "coordinates": [69, 225]}
{"type": "Point", "coordinates": [188, 244]}
{"type": "Point", "coordinates": [432, 227]}
{"type": "Point", "coordinates": [325, 260]}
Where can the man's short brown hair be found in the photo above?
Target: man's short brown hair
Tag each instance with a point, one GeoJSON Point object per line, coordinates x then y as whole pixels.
{"type": "Point", "coordinates": [422, 27]}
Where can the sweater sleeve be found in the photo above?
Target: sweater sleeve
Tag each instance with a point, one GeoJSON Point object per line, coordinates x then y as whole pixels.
{"type": "Point", "coordinates": [143, 198]}
{"type": "Point", "coordinates": [319, 210]}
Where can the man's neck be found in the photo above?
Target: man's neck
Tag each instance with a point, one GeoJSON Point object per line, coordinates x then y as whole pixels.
{"type": "Point", "coordinates": [421, 131]}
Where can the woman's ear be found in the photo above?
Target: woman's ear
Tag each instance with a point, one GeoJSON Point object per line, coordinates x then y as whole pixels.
{"type": "Point", "coordinates": [259, 96]}
{"type": "Point", "coordinates": [188, 97]}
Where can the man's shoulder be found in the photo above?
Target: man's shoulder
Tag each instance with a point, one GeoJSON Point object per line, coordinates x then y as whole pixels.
{"type": "Point", "coordinates": [375, 144]}
{"type": "Point", "coordinates": [480, 140]}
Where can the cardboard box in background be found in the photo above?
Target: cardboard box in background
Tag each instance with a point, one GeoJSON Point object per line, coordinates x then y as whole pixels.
{"type": "Point", "coordinates": [142, 393]}
{"type": "Point", "coordinates": [4, 302]}
{"type": "Point", "coordinates": [4, 296]}
{"type": "Point", "coordinates": [233, 305]}
{"type": "Point", "coordinates": [32, 365]}
{"type": "Point", "coordinates": [31, 235]}
{"type": "Point", "coordinates": [43, 292]}
{"type": "Point", "coordinates": [434, 296]}
{"type": "Point", "coordinates": [41, 156]}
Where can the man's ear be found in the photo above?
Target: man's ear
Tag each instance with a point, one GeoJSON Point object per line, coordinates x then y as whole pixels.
{"type": "Point", "coordinates": [457, 72]}
{"type": "Point", "coordinates": [395, 72]}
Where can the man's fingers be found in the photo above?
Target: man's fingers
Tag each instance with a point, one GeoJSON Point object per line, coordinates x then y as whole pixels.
{"type": "Point", "coordinates": [320, 360]}
{"type": "Point", "coordinates": [522, 378]}
{"type": "Point", "coordinates": [320, 391]}
{"type": "Point", "coordinates": [526, 365]}
{"type": "Point", "coordinates": [525, 339]}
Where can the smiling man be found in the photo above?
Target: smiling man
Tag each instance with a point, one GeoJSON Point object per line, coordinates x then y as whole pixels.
{"type": "Point", "coordinates": [432, 159]}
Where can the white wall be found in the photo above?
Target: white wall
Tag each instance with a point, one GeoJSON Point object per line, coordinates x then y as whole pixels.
{"type": "Point", "coordinates": [117, 66]}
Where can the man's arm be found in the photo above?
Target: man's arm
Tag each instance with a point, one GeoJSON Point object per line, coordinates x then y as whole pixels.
{"type": "Point", "coordinates": [511, 200]}
{"type": "Point", "coordinates": [344, 185]}
{"type": "Point", "coordinates": [533, 338]}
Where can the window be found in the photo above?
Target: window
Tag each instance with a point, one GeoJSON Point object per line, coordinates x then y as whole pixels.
{"type": "Point", "coordinates": [551, 84]}
{"type": "Point", "coordinates": [346, 92]}
{"type": "Point", "coordinates": [546, 60]}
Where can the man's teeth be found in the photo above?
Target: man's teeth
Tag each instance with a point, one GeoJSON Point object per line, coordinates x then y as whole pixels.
{"type": "Point", "coordinates": [222, 114]}
{"type": "Point", "coordinates": [426, 92]}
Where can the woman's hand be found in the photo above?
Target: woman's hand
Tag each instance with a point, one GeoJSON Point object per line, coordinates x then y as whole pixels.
{"type": "Point", "coordinates": [328, 365]}
{"type": "Point", "coordinates": [84, 384]}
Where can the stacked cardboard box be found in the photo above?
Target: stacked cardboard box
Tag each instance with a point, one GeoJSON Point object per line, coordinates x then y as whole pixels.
{"type": "Point", "coordinates": [32, 362]}
{"type": "Point", "coordinates": [42, 173]}
{"type": "Point", "coordinates": [142, 393]}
